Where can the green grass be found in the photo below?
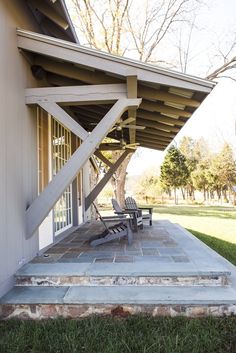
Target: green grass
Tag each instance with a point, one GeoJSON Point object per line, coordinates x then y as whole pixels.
{"type": "Point", "coordinates": [224, 248]}
{"type": "Point", "coordinates": [218, 222]}
{"type": "Point", "coordinates": [136, 334]}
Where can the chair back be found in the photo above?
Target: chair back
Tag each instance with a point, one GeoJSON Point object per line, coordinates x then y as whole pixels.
{"type": "Point", "coordinates": [130, 203]}
{"type": "Point", "coordinates": [116, 206]}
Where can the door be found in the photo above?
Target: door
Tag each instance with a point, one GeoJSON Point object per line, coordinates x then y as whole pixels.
{"type": "Point", "coordinates": [61, 152]}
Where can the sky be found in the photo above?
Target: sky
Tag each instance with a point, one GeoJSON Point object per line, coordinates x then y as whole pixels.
{"type": "Point", "coordinates": [215, 119]}
{"type": "Point", "coordinates": [214, 31]}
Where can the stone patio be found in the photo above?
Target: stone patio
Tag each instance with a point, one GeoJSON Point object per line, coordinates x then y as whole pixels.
{"type": "Point", "coordinates": [166, 271]}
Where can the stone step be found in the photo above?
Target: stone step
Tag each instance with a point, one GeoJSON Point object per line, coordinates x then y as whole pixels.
{"type": "Point", "coordinates": [73, 274]}
{"type": "Point", "coordinates": [80, 301]}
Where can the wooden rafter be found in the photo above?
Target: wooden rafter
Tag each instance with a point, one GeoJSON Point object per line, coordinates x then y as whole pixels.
{"type": "Point", "coordinates": [164, 109]}
{"type": "Point", "coordinates": [50, 12]}
{"type": "Point", "coordinates": [159, 118]}
{"type": "Point", "coordinates": [152, 93]}
{"type": "Point", "coordinates": [156, 125]}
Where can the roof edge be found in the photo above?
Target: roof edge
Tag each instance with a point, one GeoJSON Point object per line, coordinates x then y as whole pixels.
{"type": "Point", "coordinates": [207, 84]}
{"type": "Point", "coordinates": [67, 14]}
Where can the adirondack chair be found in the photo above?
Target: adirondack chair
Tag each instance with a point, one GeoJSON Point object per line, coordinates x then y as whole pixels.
{"type": "Point", "coordinates": [130, 204]}
{"type": "Point", "coordinates": [117, 231]}
{"type": "Point", "coordinates": [136, 216]}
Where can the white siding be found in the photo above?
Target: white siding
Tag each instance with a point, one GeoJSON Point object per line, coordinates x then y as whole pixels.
{"type": "Point", "coordinates": [18, 152]}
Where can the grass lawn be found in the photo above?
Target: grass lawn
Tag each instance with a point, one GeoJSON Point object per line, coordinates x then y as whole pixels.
{"type": "Point", "coordinates": [137, 334]}
{"type": "Point", "coordinates": [218, 222]}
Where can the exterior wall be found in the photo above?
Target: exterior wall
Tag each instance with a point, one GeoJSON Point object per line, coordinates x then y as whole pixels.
{"type": "Point", "coordinates": [18, 157]}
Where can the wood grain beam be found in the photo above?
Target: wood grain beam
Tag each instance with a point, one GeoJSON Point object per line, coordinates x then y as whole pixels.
{"type": "Point", "coordinates": [153, 147]}
{"type": "Point", "coordinates": [153, 141]}
{"type": "Point", "coordinates": [155, 136]}
{"type": "Point", "coordinates": [50, 12]}
{"type": "Point", "coordinates": [164, 109]}
{"type": "Point", "coordinates": [159, 118]}
{"type": "Point", "coordinates": [155, 125]}
{"type": "Point", "coordinates": [152, 93]}
{"type": "Point", "coordinates": [76, 94]}
{"type": "Point", "coordinates": [72, 71]}
{"type": "Point", "coordinates": [162, 133]}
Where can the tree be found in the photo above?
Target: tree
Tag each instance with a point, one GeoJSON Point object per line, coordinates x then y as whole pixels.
{"type": "Point", "coordinates": [126, 27]}
{"type": "Point", "coordinates": [148, 186]}
{"type": "Point", "coordinates": [199, 177]}
{"type": "Point", "coordinates": [174, 171]}
{"type": "Point", "coordinates": [187, 148]}
{"type": "Point", "coordinates": [223, 170]}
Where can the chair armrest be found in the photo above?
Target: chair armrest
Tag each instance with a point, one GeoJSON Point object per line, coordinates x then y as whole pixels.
{"type": "Point", "coordinates": [147, 208]}
{"type": "Point", "coordinates": [113, 218]}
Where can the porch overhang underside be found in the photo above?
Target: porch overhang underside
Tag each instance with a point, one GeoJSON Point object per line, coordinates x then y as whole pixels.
{"type": "Point", "coordinates": [168, 98]}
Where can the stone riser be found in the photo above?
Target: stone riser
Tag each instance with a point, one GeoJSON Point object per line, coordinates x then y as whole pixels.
{"type": "Point", "coordinates": [72, 311]}
{"type": "Point", "coordinates": [120, 280]}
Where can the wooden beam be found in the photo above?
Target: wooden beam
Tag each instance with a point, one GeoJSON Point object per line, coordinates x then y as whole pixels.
{"type": "Point", "coordinates": [155, 125]}
{"type": "Point", "coordinates": [75, 72]}
{"type": "Point", "coordinates": [144, 139]}
{"type": "Point", "coordinates": [164, 109]}
{"type": "Point", "coordinates": [159, 118]}
{"type": "Point", "coordinates": [157, 94]}
{"type": "Point", "coordinates": [102, 183]}
{"type": "Point", "coordinates": [153, 141]}
{"type": "Point", "coordinates": [50, 12]}
{"type": "Point", "coordinates": [152, 145]}
{"type": "Point", "coordinates": [132, 93]}
{"type": "Point", "coordinates": [87, 76]}
{"type": "Point", "coordinates": [42, 205]}
{"type": "Point", "coordinates": [110, 147]}
{"type": "Point", "coordinates": [65, 119]}
{"type": "Point", "coordinates": [162, 133]}
{"type": "Point", "coordinates": [103, 158]}
{"type": "Point", "coordinates": [146, 145]}
{"type": "Point", "coordinates": [155, 136]}
{"type": "Point", "coordinates": [76, 94]}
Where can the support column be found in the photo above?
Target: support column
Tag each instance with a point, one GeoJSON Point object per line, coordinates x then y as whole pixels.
{"type": "Point", "coordinates": [86, 190]}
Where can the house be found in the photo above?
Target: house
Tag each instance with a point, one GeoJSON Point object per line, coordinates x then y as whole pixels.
{"type": "Point", "coordinates": [58, 102]}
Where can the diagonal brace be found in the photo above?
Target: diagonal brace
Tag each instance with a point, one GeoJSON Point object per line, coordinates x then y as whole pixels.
{"type": "Point", "coordinates": [42, 205]}
{"type": "Point", "coordinates": [98, 188]}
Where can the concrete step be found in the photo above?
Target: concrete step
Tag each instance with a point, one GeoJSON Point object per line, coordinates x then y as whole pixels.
{"type": "Point", "coordinates": [72, 274]}
{"type": "Point", "coordinates": [79, 301]}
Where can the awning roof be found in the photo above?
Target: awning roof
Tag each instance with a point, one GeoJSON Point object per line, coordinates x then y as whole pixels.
{"type": "Point", "coordinates": [53, 18]}
{"type": "Point", "coordinates": [168, 98]}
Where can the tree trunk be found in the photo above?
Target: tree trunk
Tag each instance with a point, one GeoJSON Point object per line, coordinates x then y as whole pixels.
{"type": "Point", "coordinates": [175, 197]}
{"type": "Point", "coordinates": [118, 180]}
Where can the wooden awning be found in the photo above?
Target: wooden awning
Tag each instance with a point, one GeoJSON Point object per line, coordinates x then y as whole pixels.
{"type": "Point", "coordinates": [168, 98]}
